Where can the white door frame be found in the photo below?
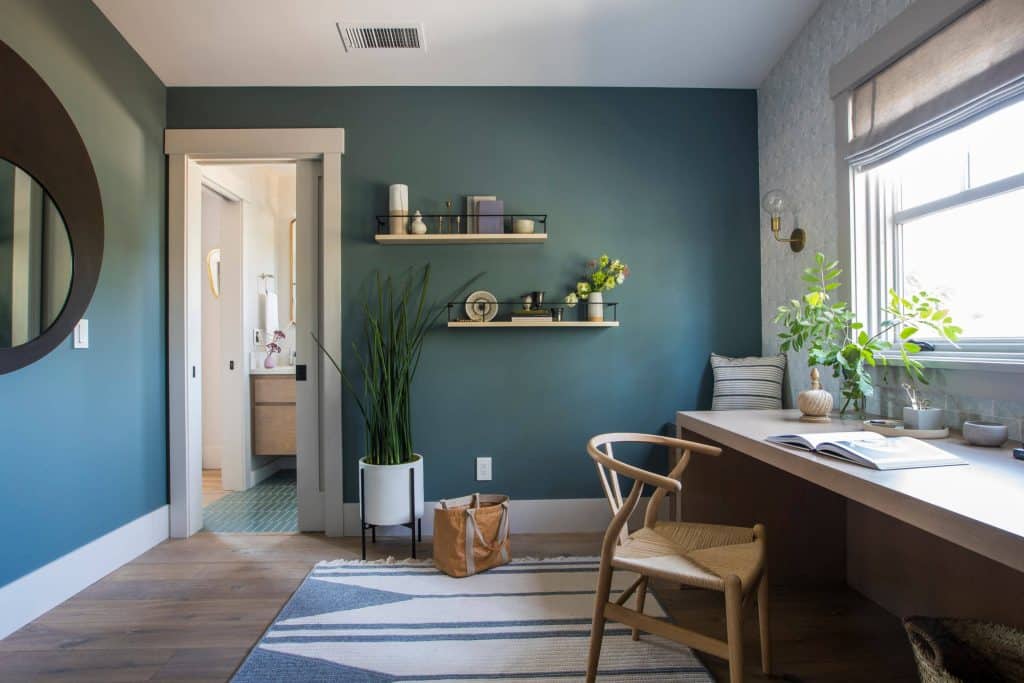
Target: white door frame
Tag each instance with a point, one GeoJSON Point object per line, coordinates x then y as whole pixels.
{"type": "Point", "coordinates": [280, 144]}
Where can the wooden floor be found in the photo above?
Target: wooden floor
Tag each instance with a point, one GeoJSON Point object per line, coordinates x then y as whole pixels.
{"type": "Point", "coordinates": [212, 488]}
{"type": "Point", "coordinates": [190, 610]}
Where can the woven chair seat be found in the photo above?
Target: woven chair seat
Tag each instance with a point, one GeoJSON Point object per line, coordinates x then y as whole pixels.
{"type": "Point", "coordinates": [729, 559]}
{"type": "Point", "coordinates": [699, 555]}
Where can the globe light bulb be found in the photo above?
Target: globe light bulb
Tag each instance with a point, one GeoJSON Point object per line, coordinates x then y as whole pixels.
{"type": "Point", "coordinates": [775, 202]}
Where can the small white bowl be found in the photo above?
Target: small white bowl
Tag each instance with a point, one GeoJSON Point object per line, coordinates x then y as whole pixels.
{"type": "Point", "coordinates": [985, 433]}
{"type": "Point", "coordinates": [522, 226]}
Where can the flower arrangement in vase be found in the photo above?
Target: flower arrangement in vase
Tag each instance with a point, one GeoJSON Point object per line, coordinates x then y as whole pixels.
{"type": "Point", "coordinates": [603, 274]}
{"type": "Point", "coordinates": [273, 347]}
{"type": "Point", "coordinates": [835, 339]}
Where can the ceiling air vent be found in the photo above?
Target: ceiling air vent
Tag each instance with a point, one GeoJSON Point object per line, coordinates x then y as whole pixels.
{"type": "Point", "coordinates": [381, 37]}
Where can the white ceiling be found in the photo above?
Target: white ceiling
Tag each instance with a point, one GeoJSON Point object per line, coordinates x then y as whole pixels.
{"type": "Point", "coordinates": [660, 43]}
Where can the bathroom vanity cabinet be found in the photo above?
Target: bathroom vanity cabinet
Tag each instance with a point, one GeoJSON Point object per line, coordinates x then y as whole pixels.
{"type": "Point", "coordinates": [273, 414]}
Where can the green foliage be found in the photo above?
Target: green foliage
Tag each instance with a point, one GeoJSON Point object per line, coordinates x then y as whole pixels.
{"type": "Point", "coordinates": [396, 321]}
{"type": "Point", "coordinates": [835, 339]}
{"type": "Point", "coordinates": [603, 275]}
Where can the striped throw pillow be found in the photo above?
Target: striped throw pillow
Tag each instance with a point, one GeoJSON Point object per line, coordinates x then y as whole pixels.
{"type": "Point", "coordinates": [743, 383]}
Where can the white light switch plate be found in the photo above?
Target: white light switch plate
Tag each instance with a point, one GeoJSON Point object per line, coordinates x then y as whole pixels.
{"type": "Point", "coordinates": [81, 336]}
{"type": "Point", "coordinates": [483, 469]}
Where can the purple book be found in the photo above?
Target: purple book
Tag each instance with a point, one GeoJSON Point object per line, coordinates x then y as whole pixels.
{"type": "Point", "coordinates": [491, 220]}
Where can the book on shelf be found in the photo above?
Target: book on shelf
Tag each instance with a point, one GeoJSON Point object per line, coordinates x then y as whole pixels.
{"type": "Point", "coordinates": [869, 449]}
{"type": "Point", "coordinates": [534, 314]}
{"type": "Point", "coordinates": [490, 218]}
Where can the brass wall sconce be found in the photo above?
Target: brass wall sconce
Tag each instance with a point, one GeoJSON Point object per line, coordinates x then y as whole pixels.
{"type": "Point", "coordinates": [775, 203]}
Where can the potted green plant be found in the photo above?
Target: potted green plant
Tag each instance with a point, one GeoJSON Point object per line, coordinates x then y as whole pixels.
{"type": "Point", "coordinates": [396, 322]}
{"type": "Point", "coordinates": [835, 339]}
{"type": "Point", "coordinates": [920, 414]}
{"type": "Point", "coordinates": [603, 274]}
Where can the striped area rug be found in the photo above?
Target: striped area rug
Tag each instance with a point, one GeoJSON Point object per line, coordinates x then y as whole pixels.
{"type": "Point", "coordinates": [406, 621]}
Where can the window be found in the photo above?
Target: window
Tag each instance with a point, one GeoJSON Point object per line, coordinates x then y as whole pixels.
{"type": "Point", "coordinates": [929, 115]}
{"type": "Point", "coordinates": [953, 224]}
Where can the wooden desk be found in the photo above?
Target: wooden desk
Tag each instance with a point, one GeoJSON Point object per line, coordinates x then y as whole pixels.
{"type": "Point", "coordinates": [865, 526]}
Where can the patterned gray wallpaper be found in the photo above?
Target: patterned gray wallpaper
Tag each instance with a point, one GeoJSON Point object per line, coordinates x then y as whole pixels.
{"type": "Point", "coordinates": [797, 154]}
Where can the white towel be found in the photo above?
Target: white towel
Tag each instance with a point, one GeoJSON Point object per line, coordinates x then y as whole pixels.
{"type": "Point", "coordinates": [268, 312]}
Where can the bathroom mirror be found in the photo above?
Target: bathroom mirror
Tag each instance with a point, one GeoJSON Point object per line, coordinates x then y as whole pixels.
{"type": "Point", "coordinates": [35, 258]}
{"type": "Point", "coordinates": [51, 218]}
{"type": "Point", "coordinates": [291, 269]}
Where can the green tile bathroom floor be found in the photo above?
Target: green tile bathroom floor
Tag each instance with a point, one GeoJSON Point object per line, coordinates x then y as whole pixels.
{"type": "Point", "coordinates": [268, 507]}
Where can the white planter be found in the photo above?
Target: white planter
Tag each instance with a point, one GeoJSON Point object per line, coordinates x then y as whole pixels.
{"type": "Point", "coordinates": [924, 418]}
{"type": "Point", "coordinates": [385, 491]}
{"type": "Point", "coordinates": [595, 307]}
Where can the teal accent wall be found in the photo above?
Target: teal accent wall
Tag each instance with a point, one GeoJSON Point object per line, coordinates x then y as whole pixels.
{"type": "Point", "coordinates": [83, 446]}
{"type": "Point", "coordinates": [665, 179]}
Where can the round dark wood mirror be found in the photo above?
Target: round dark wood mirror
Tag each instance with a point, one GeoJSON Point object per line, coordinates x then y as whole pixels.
{"type": "Point", "coordinates": [51, 218]}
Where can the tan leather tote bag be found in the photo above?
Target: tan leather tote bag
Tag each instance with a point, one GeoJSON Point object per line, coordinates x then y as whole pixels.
{"type": "Point", "coordinates": [471, 534]}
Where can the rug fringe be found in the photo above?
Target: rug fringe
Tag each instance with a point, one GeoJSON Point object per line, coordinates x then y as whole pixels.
{"type": "Point", "coordinates": [390, 560]}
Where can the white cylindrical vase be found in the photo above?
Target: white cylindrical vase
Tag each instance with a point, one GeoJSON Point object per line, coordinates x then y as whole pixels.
{"type": "Point", "coordinates": [384, 492]}
{"type": "Point", "coordinates": [595, 307]}
{"type": "Point", "coordinates": [398, 209]}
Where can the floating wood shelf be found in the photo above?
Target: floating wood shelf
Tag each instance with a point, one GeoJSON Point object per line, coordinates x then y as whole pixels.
{"type": "Point", "coordinates": [453, 238]}
{"type": "Point", "coordinates": [533, 323]}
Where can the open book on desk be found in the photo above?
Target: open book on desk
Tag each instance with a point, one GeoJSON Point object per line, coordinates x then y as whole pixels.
{"type": "Point", "coordinates": [869, 449]}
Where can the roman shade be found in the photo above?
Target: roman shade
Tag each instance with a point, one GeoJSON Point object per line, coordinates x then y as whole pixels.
{"type": "Point", "coordinates": [967, 67]}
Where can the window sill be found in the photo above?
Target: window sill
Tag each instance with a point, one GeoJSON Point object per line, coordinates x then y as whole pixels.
{"type": "Point", "coordinates": [977, 360]}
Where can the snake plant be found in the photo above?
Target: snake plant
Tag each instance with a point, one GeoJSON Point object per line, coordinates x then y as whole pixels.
{"type": "Point", "coordinates": [397, 318]}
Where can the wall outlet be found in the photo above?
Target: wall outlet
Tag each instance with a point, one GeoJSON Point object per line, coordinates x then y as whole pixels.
{"type": "Point", "coordinates": [483, 469]}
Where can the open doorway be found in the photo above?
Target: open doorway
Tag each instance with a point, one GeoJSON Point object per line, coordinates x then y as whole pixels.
{"type": "Point", "coordinates": [248, 312]}
{"type": "Point", "coordinates": [306, 242]}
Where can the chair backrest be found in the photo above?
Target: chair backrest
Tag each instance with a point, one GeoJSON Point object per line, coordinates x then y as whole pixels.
{"type": "Point", "coordinates": [600, 449]}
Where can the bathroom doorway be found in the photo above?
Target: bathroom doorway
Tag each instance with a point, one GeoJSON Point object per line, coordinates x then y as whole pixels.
{"type": "Point", "coordinates": [251, 409]}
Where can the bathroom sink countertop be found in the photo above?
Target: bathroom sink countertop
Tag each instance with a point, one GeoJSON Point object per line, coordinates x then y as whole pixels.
{"type": "Point", "coordinates": [280, 370]}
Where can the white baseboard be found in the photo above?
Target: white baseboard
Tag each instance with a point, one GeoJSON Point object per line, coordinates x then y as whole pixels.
{"type": "Point", "coordinates": [261, 473]}
{"type": "Point", "coordinates": [36, 593]}
{"type": "Point", "coordinates": [562, 515]}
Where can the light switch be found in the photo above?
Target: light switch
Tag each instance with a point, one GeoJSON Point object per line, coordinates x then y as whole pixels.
{"type": "Point", "coordinates": [81, 336]}
{"type": "Point", "coordinates": [483, 469]}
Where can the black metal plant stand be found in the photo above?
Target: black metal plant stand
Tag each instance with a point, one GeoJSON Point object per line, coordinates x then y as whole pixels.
{"type": "Point", "coordinates": [415, 525]}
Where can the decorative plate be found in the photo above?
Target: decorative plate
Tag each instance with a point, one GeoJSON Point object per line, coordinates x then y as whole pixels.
{"type": "Point", "coordinates": [896, 428]}
{"type": "Point", "coordinates": [481, 306]}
